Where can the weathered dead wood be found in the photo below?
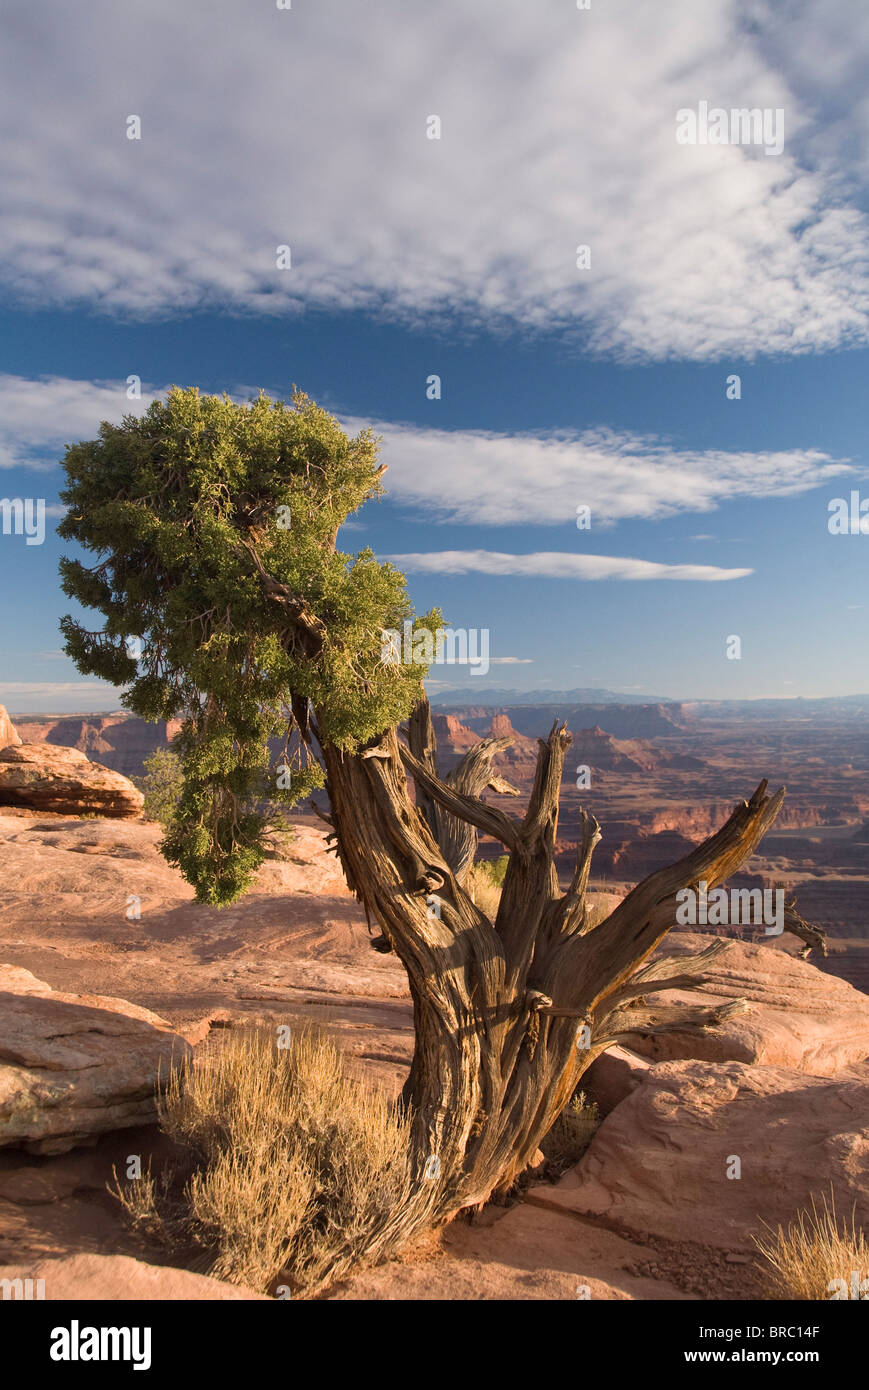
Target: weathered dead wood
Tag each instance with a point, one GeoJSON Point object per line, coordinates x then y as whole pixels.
{"type": "Point", "coordinates": [635, 1020]}
{"type": "Point", "coordinates": [457, 838]}
{"type": "Point", "coordinates": [489, 819]}
{"type": "Point", "coordinates": [812, 936]}
{"type": "Point", "coordinates": [508, 1015]}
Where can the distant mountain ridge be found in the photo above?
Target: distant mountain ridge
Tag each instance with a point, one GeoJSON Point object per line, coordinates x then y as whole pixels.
{"type": "Point", "coordinates": [583, 695]}
{"type": "Point", "coordinates": [534, 721]}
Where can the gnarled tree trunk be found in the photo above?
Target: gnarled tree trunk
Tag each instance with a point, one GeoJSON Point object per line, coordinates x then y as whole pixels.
{"type": "Point", "coordinates": [507, 1014]}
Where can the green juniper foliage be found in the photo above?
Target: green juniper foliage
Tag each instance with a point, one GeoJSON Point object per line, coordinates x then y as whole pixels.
{"type": "Point", "coordinates": [214, 525]}
{"type": "Point", "coordinates": [162, 785]}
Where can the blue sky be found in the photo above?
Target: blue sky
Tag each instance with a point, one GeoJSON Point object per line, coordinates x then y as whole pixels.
{"type": "Point", "coordinates": [560, 386]}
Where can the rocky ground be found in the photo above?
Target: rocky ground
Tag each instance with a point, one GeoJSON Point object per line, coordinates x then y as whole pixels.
{"type": "Point", "coordinates": [110, 973]}
{"type": "Point", "coordinates": [89, 908]}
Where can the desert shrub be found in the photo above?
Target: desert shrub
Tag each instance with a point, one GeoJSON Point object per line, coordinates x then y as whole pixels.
{"type": "Point", "coordinates": [161, 785]}
{"type": "Point", "coordinates": [295, 1166]}
{"type": "Point", "coordinates": [487, 880]}
{"type": "Point", "coordinates": [572, 1132]}
{"type": "Point", "coordinates": [493, 869]}
{"type": "Point", "coordinates": [817, 1248]}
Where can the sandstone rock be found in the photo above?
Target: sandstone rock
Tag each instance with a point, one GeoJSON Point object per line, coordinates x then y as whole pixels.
{"type": "Point", "coordinates": [8, 734]}
{"type": "Point", "coordinates": [658, 1163]}
{"type": "Point", "coordinates": [525, 1254]}
{"type": "Point", "coordinates": [47, 777]}
{"type": "Point", "coordinates": [451, 733]}
{"type": "Point", "coordinates": [35, 1187]}
{"type": "Point", "coordinates": [502, 728]}
{"type": "Point", "coordinates": [119, 1278]}
{"type": "Point", "coordinates": [73, 1066]}
{"type": "Point", "coordinates": [800, 1016]}
{"type": "Point", "coordinates": [613, 1076]}
{"type": "Point", "coordinates": [14, 979]}
{"type": "Point", "coordinates": [119, 741]}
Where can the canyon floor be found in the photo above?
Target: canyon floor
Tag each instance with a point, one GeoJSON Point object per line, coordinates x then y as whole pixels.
{"type": "Point", "coordinates": [296, 948]}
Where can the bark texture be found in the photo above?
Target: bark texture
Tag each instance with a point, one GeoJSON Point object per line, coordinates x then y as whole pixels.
{"type": "Point", "coordinates": [508, 1013]}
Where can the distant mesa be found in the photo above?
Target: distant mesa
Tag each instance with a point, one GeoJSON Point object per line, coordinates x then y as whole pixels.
{"type": "Point", "coordinates": [119, 741]}
{"type": "Point", "coordinates": [450, 730]}
{"type": "Point", "coordinates": [601, 750]}
{"type": "Point", "coordinates": [630, 720]}
{"type": "Point", "coordinates": [49, 777]}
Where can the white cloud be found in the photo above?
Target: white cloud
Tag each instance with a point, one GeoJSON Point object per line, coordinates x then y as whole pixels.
{"type": "Point", "coordinates": [307, 127]}
{"type": "Point", "coordinates": [39, 415]}
{"type": "Point", "coordinates": [479, 477]}
{"type": "Point", "coordinates": [551, 564]}
{"type": "Point", "coordinates": [474, 477]}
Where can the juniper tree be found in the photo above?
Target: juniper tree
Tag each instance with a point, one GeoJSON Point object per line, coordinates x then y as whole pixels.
{"type": "Point", "coordinates": [215, 527]}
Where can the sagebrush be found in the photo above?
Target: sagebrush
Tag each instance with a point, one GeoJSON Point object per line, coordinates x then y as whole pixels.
{"type": "Point", "coordinates": [295, 1167]}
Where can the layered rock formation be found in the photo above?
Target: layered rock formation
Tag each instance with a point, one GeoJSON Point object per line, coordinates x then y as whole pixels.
{"type": "Point", "coordinates": [709, 1152]}
{"type": "Point", "coordinates": [73, 1066]}
{"type": "Point", "coordinates": [8, 733]}
{"type": "Point", "coordinates": [798, 1016]}
{"type": "Point", "coordinates": [45, 777]}
{"type": "Point", "coordinates": [121, 742]}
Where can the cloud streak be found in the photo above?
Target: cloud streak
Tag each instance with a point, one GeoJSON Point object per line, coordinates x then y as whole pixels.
{"type": "Point", "coordinates": [551, 564]}
{"type": "Point", "coordinates": [39, 415]}
{"type": "Point", "coordinates": [469, 477]}
{"type": "Point", "coordinates": [483, 478]}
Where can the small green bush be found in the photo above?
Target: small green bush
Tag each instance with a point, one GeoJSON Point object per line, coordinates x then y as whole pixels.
{"type": "Point", "coordinates": [161, 785]}
{"type": "Point", "coordinates": [493, 869]}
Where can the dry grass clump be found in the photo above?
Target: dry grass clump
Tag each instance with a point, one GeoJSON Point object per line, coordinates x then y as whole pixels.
{"type": "Point", "coordinates": [804, 1260]}
{"type": "Point", "coordinates": [487, 881]}
{"type": "Point", "coordinates": [294, 1166]}
{"type": "Point", "coordinates": [572, 1132]}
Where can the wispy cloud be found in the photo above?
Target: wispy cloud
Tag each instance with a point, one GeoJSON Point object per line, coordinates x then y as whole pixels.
{"type": "Point", "coordinates": [551, 564]}
{"type": "Point", "coordinates": [55, 687]}
{"type": "Point", "coordinates": [558, 129]}
{"type": "Point", "coordinates": [56, 697]}
{"type": "Point", "coordinates": [39, 415]}
{"type": "Point", "coordinates": [483, 478]}
{"type": "Point", "coordinates": [474, 477]}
